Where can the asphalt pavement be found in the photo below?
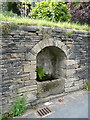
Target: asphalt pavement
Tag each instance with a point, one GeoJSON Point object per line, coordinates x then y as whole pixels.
{"type": "Point", "coordinates": [73, 105]}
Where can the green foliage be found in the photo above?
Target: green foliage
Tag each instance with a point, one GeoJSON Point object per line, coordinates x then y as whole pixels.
{"type": "Point", "coordinates": [6, 116]}
{"type": "Point", "coordinates": [86, 87]}
{"type": "Point", "coordinates": [19, 106]}
{"type": "Point", "coordinates": [52, 11]}
{"type": "Point", "coordinates": [34, 107]}
{"type": "Point", "coordinates": [28, 21]}
{"type": "Point", "coordinates": [69, 33]}
{"type": "Point", "coordinates": [40, 72]}
{"type": "Point", "coordinates": [60, 11]}
{"type": "Point", "coordinates": [10, 6]}
{"type": "Point", "coordinates": [9, 14]}
{"type": "Point", "coordinates": [41, 11]}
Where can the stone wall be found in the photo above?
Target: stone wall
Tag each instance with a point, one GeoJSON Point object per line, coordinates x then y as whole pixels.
{"type": "Point", "coordinates": [19, 50]}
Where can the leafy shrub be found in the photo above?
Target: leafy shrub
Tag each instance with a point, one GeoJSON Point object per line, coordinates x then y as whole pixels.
{"type": "Point", "coordinates": [11, 6]}
{"type": "Point", "coordinates": [17, 109]}
{"type": "Point", "coordinates": [55, 11]}
{"type": "Point", "coordinates": [80, 12]}
{"type": "Point", "coordinates": [86, 87]}
{"type": "Point", "coordinates": [40, 72]}
{"type": "Point", "coordinates": [69, 33]}
{"type": "Point", "coordinates": [42, 76]}
{"type": "Point", "coordinates": [19, 106]}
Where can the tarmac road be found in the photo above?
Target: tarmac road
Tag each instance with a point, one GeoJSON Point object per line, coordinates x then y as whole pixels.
{"type": "Point", "coordinates": [73, 105]}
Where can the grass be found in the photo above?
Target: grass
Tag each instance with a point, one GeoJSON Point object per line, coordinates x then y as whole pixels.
{"type": "Point", "coordinates": [69, 33]}
{"type": "Point", "coordinates": [28, 21]}
{"type": "Point", "coordinates": [18, 108]}
{"type": "Point", "coordinates": [86, 87]}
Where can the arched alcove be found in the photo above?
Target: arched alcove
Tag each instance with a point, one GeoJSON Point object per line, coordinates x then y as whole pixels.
{"type": "Point", "coordinates": [51, 60]}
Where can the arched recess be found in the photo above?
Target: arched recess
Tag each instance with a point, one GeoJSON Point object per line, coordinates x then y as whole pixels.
{"type": "Point", "coordinates": [56, 52]}
{"type": "Point", "coordinates": [52, 60]}
{"type": "Point", "coordinates": [44, 44]}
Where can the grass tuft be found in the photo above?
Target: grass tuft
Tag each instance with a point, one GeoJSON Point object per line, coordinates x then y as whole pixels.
{"type": "Point", "coordinates": [28, 21]}
{"type": "Point", "coordinates": [86, 87]}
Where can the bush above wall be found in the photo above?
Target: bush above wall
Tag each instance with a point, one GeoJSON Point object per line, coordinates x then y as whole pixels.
{"type": "Point", "coordinates": [80, 12]}
{"type": "Point", "coordinates": [52, 11]}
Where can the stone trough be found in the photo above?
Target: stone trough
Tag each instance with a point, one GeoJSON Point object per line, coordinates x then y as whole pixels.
{"type": "Point", "coordinates": [47, 88]}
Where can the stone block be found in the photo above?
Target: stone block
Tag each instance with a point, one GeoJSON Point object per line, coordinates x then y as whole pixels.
{"type": "Point", "coordinates": [72, 89]}
{"type": "Point", "coordinates": [36, 48]}
{"type": "Point", "coordinates": [29, 82]}
{"type": "Point", "coordinates": [30, 57]}
{"type": "Point", "coordinates": [32, 75]}
{"type": "Point", "coordinates": [32, 69]}
{"type": "Point", "coordinates": [27, 89]}
{"type": "Point", "coordinates": [27, 67]}
{"type": "Point", "coordinates": [79, 82]}
{"type": "Point", "coordinates": [69, 84]}
{"type": "Point", "coordinates": [72, 79]}
{"type": "Point", "coordinates": [70, 62]}
{"type": "Point", "coordinates": [31, 96]}
{"type": "Point", "coordinates": [25, 78]}
{"type": "Point", "coordinates": [33, 62]}
{"type": "Point", "coordinates": [69, 44]}
{"type": "Point", "coordinates": [70, 72]}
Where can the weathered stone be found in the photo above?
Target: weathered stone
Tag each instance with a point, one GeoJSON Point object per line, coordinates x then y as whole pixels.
{"type": "Point", "coordinates": [70, 73]}
{"type": "Point", "coordinates": [70, 62]}
{"type": "Point", "coordinates": [66, 57]}
{"type": "Point", "coordinates": [32, 75]}
{"type": "Point", "coordinates": [27, 89]}
{"type": "Point", "coordinates": [31, 96]}
{"type": "Point", "coordinates": [27, 67]}
{"type": "Point", "coordinates": [79, 82]}
{"type": "Point", "coordinates": [69, 84]}
{"type": "Point", "coordinates": [29, 82]}
{"type": "Point", "coordinates": [30, 28]}
{"type": "Point", "coordinates": [50, 87]}
{"type": "Point", "coordinates": [71, 89]}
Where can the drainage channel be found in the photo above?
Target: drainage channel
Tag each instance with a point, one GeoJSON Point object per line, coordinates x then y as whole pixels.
{"type": "Point", "coordinates": [44, 111]}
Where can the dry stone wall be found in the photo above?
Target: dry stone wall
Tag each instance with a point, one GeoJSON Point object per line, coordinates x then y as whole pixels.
{"type": "Point", "coordinates": [19, 49]}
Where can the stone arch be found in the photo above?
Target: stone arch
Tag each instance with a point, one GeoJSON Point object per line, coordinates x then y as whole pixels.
{"type": "Point", "coordinates": [49, 42]}
{"type": "Point", "coordinates": [40, 46]}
